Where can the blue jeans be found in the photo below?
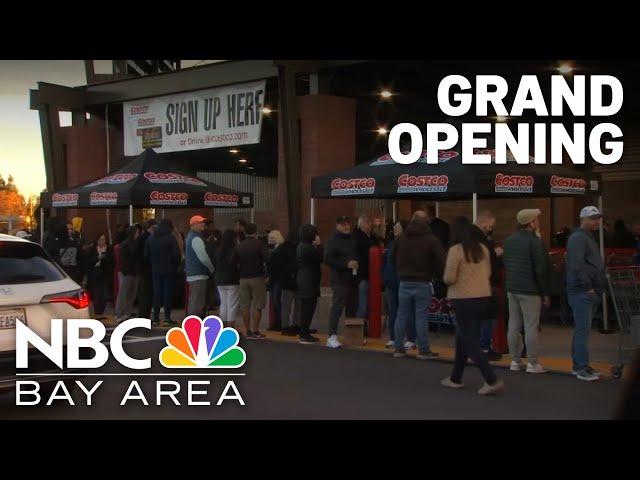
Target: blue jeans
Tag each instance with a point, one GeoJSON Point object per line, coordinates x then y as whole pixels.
{"type": "Point", "coordinates": [363, 299]}
{"type": "Point", "coordinates": [392, 309]}
{"type": "Point", "coordinates": [583, 305]}
{"type": "Point", "coordinates": [414, 300]}
{"type": "Point", "coordinates": [162, 293]}
{"type": "Point", "coordinates": [486, 334]}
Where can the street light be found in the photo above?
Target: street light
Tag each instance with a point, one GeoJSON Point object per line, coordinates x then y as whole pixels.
{"type": "Point", "coordinates": [386, 94]}
{"type": "Point", "coordinates": [243, 160]}
{"type": "Point", "coordinates": [565, 68]}
{"type": "Point", "coordinates": [266, 111]}
{"type": "Point", "coordinates": [501, 118]}
{"type": "Point", "coordinates": [234, 150]}
{"type": "Point", "coordinates": [382, 131]}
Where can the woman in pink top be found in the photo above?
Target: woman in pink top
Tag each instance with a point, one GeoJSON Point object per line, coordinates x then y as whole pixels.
{"type": "Point", "coordinates": [467, 274]}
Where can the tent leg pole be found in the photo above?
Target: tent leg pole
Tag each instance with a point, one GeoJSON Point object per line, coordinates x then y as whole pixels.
{"type": "Point", "coordinates": [605, 310]}
{"type": "Point", "coordinates": [475, 207]}
{"type": "Point", "coordinates": [41, 226]}
{"type": "Point", "coordinates": [312, 215]}
{"type": "Point", "coordinates": [437, 209]}
{"type": "Point", "coordinates": [163, 213]}
{"type": "Point", "coordinates": [395, 211]}
{"type": "Point", "coordinates": [253, 215]}
{"type": "Point", "coordinates": [130, 214]}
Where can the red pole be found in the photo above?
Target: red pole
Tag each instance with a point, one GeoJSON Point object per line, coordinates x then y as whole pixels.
{"type": "Point", "coordinates": [375, 292]}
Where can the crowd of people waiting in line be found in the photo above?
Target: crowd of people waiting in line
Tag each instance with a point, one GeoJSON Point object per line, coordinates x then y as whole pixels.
{"type": "Point", "coordinates": [237, 269]}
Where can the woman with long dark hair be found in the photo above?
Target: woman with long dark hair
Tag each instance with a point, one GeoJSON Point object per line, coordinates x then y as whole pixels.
{"type": "Point", "coordinates": [163, 253]}
{"type": "Point", "coordinates": [99, 264]}
{"type": "Point", "coordinates": [467, 274]}
{"type": "Point", "coordinates": [228, 277]}
{"type": "Point", "coordinates": [309, 258]}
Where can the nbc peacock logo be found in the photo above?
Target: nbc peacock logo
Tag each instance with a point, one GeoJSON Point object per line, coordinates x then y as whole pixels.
{"type": "Point", "coordinates": [202, 344]}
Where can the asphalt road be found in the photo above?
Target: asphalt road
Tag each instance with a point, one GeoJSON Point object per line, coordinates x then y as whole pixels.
{"type": "Point", "coordinates": [291, 381]}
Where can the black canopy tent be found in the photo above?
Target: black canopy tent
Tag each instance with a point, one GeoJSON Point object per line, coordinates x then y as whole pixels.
{"type": "Point", "coordinates": [148, 181]}
{"type": "Point", "coordinates": [450, 179]}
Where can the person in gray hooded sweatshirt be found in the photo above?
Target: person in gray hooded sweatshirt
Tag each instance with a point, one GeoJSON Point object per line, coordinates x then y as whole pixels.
{"type": "Point", "coordinates": [585, 284]}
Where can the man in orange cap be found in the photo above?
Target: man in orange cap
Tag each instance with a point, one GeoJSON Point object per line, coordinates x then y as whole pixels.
{"type": "Point", "coordinates": [198, 266]}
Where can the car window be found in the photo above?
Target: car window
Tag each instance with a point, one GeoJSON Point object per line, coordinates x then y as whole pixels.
{"type": "Point", "coordinates": [22, 262]}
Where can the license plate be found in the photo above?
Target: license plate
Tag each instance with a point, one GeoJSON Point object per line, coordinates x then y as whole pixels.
{"type": "Point", "coordinates": [8, 317]}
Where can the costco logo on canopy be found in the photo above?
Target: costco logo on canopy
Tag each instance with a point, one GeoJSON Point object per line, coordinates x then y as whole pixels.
{"type": "Point", "coordinates": [514, 183]}
{"type": "Point", "coordinates": [567, 185]}
{"type": "Point", "coordinates": [160, 177]}
{"type": "Point", "coordinates": [168, 198]}
{"type": "Point", "coordinates": [64, 199]}
{"type": "Point", "coordinates": [103, 198]}
{"type": "Point", "coordinates": [220, 200]}
{"type": "Point", "coordinates": [354, 186]}
{"type": "Point", "coordinates": [115, 179]}
{"type": "Point", "coordinates": [422, 183]}
{"type": "Point", "coordinates": [443, 156]}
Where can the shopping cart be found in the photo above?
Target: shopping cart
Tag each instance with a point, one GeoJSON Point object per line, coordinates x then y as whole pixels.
{"type": "Point", "coordinates": [624, 285]}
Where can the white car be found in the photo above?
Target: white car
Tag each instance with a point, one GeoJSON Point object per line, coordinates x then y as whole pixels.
{"type": "Point", "coordinates": [33, 289]}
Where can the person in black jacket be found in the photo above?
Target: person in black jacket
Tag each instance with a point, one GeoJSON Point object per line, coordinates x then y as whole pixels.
{"type": "Point", "coordinates": [163, 253]}
{"type": "Point", "coordinates": [341, 256]}
{"type": "Point", "coordinates": [127, 276]}
{"type": "Point", "coordinates": [309, 255]}
{"type": "Point", "coordinates": [283, 264]}
{"type": "Point", "coordinates": [622, 236]}
{"type": "Point", "coordinates": [99, 274]}
{"type": "Point", "coordinates": [145, 282]}
{"type": "Point", "coordinates": [227, 275]}
{"type": "Point", "coordinates": [438, 227]}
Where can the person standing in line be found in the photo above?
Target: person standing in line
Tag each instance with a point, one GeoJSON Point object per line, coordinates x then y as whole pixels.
{"type": "Point", "coordinates": [485, 224]}
{"type": "Point", "coordinates": [240, 227]}
{"type": "Point", "coordinates": [438, 227]}
{"type": "Point", "coordinates": [365, 239]}
{"type": "Point", "coordinates": [251, 257]}
{"type": "Point", "coordinates": [99, 274]}
{"type": "Point", "coordinates": [391, 281]}
{"type": "Point", "coordinates": [228, 278]}
{"type": "Point", "coordinates": [198, 266]}
{"type": "Point", "coordinates": [145, 281]}
{"type": "Point", "coordinates": [211, 238]}
{"type": "Point", "coordinates": [586, 282]}
{"type": "Point", "coordinates": [309, 255]}
{"type": "Point", "coordinates": [622, 236]}
{"type": "Point", "coordinates": [527, 280]}
{"type": "Point", "coordinates": [419, 259]}
{"type": "Point", "coordinates": [341, 256]}
{"type": "Point", "coordinates": [127, 276]}
{"type": "Point", "coordinates": [467, 274]}
{"type": "Point", "coordinates": [162, 253]}
{"type": "Point", "coordinates": [284, 260]}
{"type": "Point", "coordinates": [275, 274]}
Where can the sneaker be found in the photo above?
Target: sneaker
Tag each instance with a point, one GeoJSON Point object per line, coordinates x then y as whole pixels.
{"type": "Point", "coordinates": [491, 389]}
{"type": "Point", "coordinates": [493, 356]}
{"type": "Point", "coordinates": [312, 331]}
{"type": "Point", "coordinates": [389, 344]}
{"type": "Point", "coordinates": [409, 345]}
{"type": "Point", "coordinates": [258, 336]}
{"type": "Point", "coordinates": [307, 339]}
{"type": "Point", "coordinates": [588, 369]}
{"type": "Point", "coordinates": [447, 382]}
{"type": "Point", "coordinates": [332, 342]}
{"type": "Point", "coordinates": [516, 366]}
{"type": "Point", "coordinates": [586, 375]}
{"type": "Point", "coordinates": [537, 368]}
{"type": "Point", "coordinates": [398, 354]}
{"type": "Point", "coordinates": [430, 355]}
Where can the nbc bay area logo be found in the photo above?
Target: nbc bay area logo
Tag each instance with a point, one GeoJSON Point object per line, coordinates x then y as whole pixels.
{"type": "Point", "coordinates": [202, 344]}
{"type": "Point", "coordinates": [199, 347]}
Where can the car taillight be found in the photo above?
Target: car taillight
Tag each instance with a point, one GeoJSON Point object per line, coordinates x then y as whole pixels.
{"type": "Point", "coordinates": [77, 298]}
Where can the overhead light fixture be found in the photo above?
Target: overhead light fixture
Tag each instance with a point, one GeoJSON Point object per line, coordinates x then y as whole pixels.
{"type": "Point", "coordinates": [501, 118]}
{"type": "Point", "coordinates": [234, 150]}
{"type": "Point", "coordinates": [566, 68]}
{"type": "Point", "coordinates": [386, 94]}
{"type": "Point", "coordinates": [266, 111]}
{"type": "Point", "coordinates": [243, 160]}
{"type": "Point", "coordinates": [382, 131]}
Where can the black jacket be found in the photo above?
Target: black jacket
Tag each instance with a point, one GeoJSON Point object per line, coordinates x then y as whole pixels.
{"type": "Point", "coordinates": [163, 253]}
{"type": "Point", "coordinates": [364, 244]}
{"type": "Point", "coordinates": [418, 254]}
{"type": "Point", "coordinates": [227, 271]}
{"type": "Point", "coordinates": [340, 250]}
{"type": "Point", "coordinates": [99, 268]}
{"type": "Point", "coordinates": [441, 230]}
{"type": "Point", "coordinates": [496, 263]}
{"type": "Point", "coordinates": [128, 258]}
{"type": "Point", "coordinates": [144, 266]}
{"type": "Point", "coordinates": [309, 274]}
{"type": "Point", "coordinates": [282, 266]}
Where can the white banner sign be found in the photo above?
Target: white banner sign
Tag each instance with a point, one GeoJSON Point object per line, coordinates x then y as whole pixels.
{"type": "Point", "coordinates": [217, 117]}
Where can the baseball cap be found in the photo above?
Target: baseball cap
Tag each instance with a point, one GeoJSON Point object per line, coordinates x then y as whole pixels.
{"type": "Point", "coordinates": [591, 212]}
{"type": "Point", "coordinates": [527, 215]}
{"type": "Point", "coordinates": [197, 219]}
{"type": "Point", "coordinates": [23, 234]}
{"type": "Point", "coordinates": [342, 219]}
